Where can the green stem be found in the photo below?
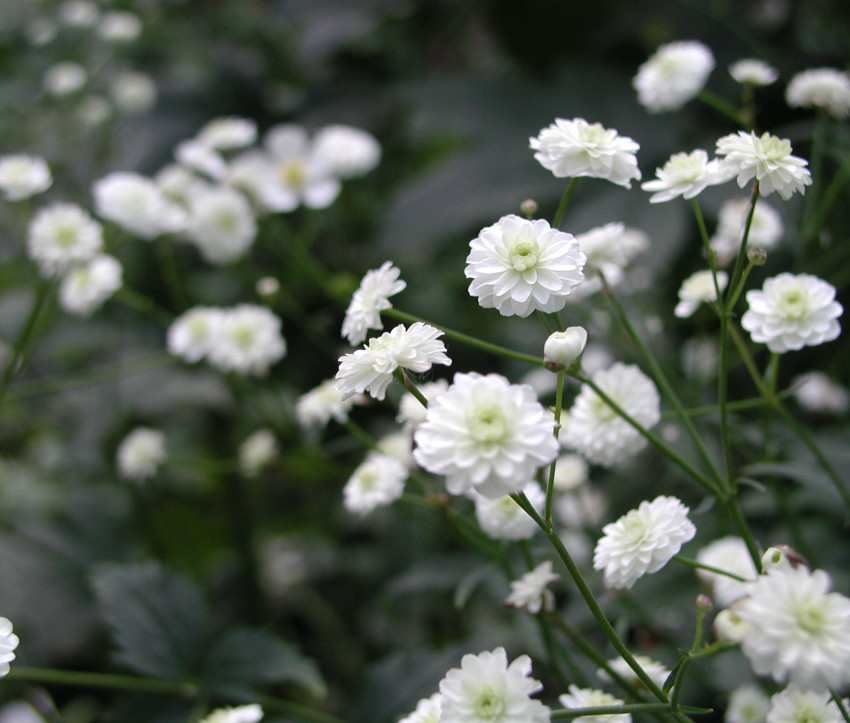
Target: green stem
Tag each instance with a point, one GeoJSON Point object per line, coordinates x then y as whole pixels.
{"type": "Point", "coordinates": [732, 291]}
{"type": "Point", "coordinates": [700, 566]}
{"type": "Point", "coordinates": [733, 507]}
{"type": "Point", "coordinates": [611, 710]}
{"type": "Point", "coordinates": [468, 340]}
{"type": "Point", "coordinates": [839, 701]}
{"type": "Point", "coordinates": [550, 486]}
{"type": "Point", "coordinates": [723, 106]}
{"type": "Point", "coordinates": [827, 201]}
{"type": "Point", "coordinates": [565, 201]}
{"type": "Point", "coordinates": [102, 680]}
{"type": "Point", "coordinates": [706, 244]}
{"type": "Point", "coordinates": [168, 267]}
{"type": "Point", "coordinates": [736, 406]}
{"type": "Point", "coordinates": [402, 377]}
{"type": "Point", "coordinates": [141, 303]}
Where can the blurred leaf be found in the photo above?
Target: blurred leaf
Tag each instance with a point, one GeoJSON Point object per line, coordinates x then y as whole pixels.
{"type": "Point", "coordinates": [159, 620]}
{"type": "Point", "coordinates": [246, 658]}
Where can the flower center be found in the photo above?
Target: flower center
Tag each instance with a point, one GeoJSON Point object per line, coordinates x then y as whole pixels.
{"type": "Point", "coordinates": [601, 411]}
{"type": "Point", "coordinates": [66, 236]}
{"type": "Point", "coordinates": [488, 705]}
{"type": "Point", "coordinates": [793, 303]}
{"type": "Point", "coordinates": [368, 480]}
{"type": "Point", "coordinates": [807, 715]}
{"type": "Point", "coordinates": [524, 254]}
{"type": "Point", "coordinates": [243, 336]}
{"type": "Point", "coordinates": [228, 222]}
{"type": "Point", "coordinates": [487, 424]}
{"type": "Point", "coordinates": [810, 617]}
{"type": "Point", "coordinates": [292, 174]}
{"type": "Point", "coordinates": [634, 530]}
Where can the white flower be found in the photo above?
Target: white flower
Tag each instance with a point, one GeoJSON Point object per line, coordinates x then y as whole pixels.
{"type": "Point", "coordinates": [747, 704]}
{"type": "Point", "coordinates": [752, 71]}
{"type": "Point", "coordinates": [729, 554]}
{"type": "Point", "coordinates": [41, 31]}
{"type": "Point", "coordinates": [257, 451]}
{"type": "Point", "coordinates": [86, 286]}
{"type": "Point", "coordinates": [766, 158]}
{"type": "Point", "coordinates": [78, 13]}
{"type": "Point", "coordinates": [642, 541]}
{"type": "Point", "coordinates": [228, 133]}
{"type": "Point", "coordinates": [133, 92]}
{"type": "Point", "coordinates": [685, 175]}
{"type": "Point", "coordinates": [398, 445]}
{"type": "Point", "coordinates": [119, 27]}
{"type": "Point", "coordinates": [427, 711]}
{"type": "Point", "coordinates": [92, 110]}
{"type": "Point", "coordinates": [798, 631]}
{"type": "Point", "coordinates": [370, 299]}
{"type": "Point", "coordinates": [655, 670]}
{"type": "Point", "coordinates": [221, 224]}
{"type": "Point", "coordinates": [8, 642]}
{"type": "Point", "coordinates": [411, 413]}
{"type": "Point", "coordinates": [179, 183]}
{"type": "Point", "coordinates": [200, 157]}
{"type": "Point", "coordinates": [609, 249]}
{"type": "Point", "coordinates": [240, 714]}
{"type": "Point", "coordinates": [591, 698]}
{"type": "Point", "coordinates": [61, 236]}
{"type": "Point", "coordinates": [141, 453]}
{"type": "Point", "coordinates": [571, 472]}
{"type": "Point", "coordinates": [371, 369]}
{"type": "Point", "coordinates": [486, 433]}
{"type": "Point", "coordinates": [519, 266]}
{"type": "Point", "coordinates": [673, 75]}
{"type": "Point", "coordinates": [64, 79]}
{"type": "Point", "coordinates": [485, 689]}
{"type": "Point", "coordinates": [318, 406]}
{"type": "Point", "coordinates": [596, 431]}
{"type": "Point", "coordinates": [728, 626]}
{"type": "Point", "coordinates": [247, 340]}
{"type": "Point", "coordinates": [347, 151]}
{"type": "Point", "coordinates": [191, 334]}
{"type": "Point", "coordinates": [791, 312]}
{"type": "Point", "coordinates": [20, 711]}
{"type": "Point", "coordinates": [816, 392]}
{"type": "Point", "coordinates": [824, 88]}
{"type": "Point", "coordinates": [501, 518]}
{"type": "Point", "coordinates": [573, 148]}
{"type": "Point", "coordinates": [793, 705]}
{"type": "Point", "coordinates": [562, 348]}
{"type": "Point", "coordinates": [766, 228]}
{"type": "Point", "coordinates": [23, 176]}
{"type": "Point", "coordinates": [136, 204]}
{"type": "Point", "coordinates": [697, 289]}
{"type": "Point", "coordinates": [584, 507]}
{"type": "Point", "coordinates": [531, 593]}
{"type": "Point", "coordinates": [378, 482]}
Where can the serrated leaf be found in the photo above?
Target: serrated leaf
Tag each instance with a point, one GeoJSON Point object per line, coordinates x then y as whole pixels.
{"type": "Point", "coordinates": [244, 659]}
{"type": "Point", "coordinates": [159, 620]}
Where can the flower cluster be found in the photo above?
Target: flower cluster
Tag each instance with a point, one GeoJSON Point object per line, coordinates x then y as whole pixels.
{"type": "Point", "coordinates": [370, 299]}
{"type": "Point", "coordinates": [673, 75]}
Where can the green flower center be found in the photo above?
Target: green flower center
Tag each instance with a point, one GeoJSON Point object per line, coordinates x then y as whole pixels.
{"type": "Point", "coordinates": [487, 424]}
{"type": "Point", "coordinates": [228, 222]}
{"type": "Point", "coordinates": [368, 480]}
{"type": "Point", "coordinates": [810, 617]}
{"type": "Point", "coordinates": [793, 303]}
{"type": "Point", "coordinates": [488, 705]}
{"type": "Point", "coordinates": [243, 336]}
{"type": "Point", "coordinates": [292, 174]}
{"type": "Point", "coordinates": [523, 254]}
{"type": "Point", "coordinates": [66, 236]}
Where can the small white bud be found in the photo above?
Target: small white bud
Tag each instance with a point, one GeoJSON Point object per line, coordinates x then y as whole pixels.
{"type": "Point", "coordinates": [268, 286]}
{"type": "Point", "coordinates": [563, 347]}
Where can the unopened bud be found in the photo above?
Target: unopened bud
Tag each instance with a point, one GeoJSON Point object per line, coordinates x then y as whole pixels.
{"type": "Point", "coordinates": [564, 347]}
{"type": "Point", "coordinates": [704, 603]}
{"type": "Point", "coordinates": [781, 557]}
{"type": "Point", "coordinates": [267, 286]}
{"type": "Point", "coordinates": [528, 207]}
{"type": "Point", "coordinates": [757, 256]}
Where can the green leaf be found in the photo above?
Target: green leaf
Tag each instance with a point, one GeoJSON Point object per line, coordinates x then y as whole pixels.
{"type": "Point", "coordinates": [159, 620]}
{"type": "Point", "coordinates": [244, 659]}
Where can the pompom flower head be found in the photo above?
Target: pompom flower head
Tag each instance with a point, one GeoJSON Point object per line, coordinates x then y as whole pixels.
{"type": "Point", "coordinates": [519, 266]}
{"type": "Point", "coordinates": [697, 289]}
{"type": "Point", "coordinates": [754, 72]}
{"type": "Point", "coordinates": [137, 205]}
{"type": "Point", "coordinates": [824, 88]}
{"type": "Point", "coordinates": [791, 312]}
{"type": "Point", "coordinates": [673, 75]}
{"type": "Point", "coordinates": [141, 453]}
{"type": "Point", "coordinates": [23, 176]}
{"type": "Point", "coordinates": [485, 689]}
{"type": "Point", "coordinates": [795, 705]}
{"type": "Point", "coordinates": [88, 285]}
{"type": "Point", "coordinates": [501, 518]}
{"type": "Point", "coordinates": [370, 299]}
{"type": "Point", "coordinates": [685, 175]}
{"type": "Point", "coordinates": [574, 148]}
{"type": "Point", "coordinates": [247, 340]}
{"type": "Point", "coordinates": [62, 235]}
{"type": "Point", "coordinates": [377, 482]}
{"type": "Point", "coordinates": [765, 158]}
{"type": "Point", "coordinates": [486, 433]}
{"type": "Point", "coordinates": [642, 541]}
{"type": "Point", "coordinates": [531, 591]}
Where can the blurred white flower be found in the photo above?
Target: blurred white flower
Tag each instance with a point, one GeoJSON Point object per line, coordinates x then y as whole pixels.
{"type": "Point", "coordinates": [427, 711]}
{"type": "Point", "coordinates": [574, 148]}
{"type": "Point", "coordinates": [765, 158]}
{"type": "Point", "coordinates": [228, 133]}
{"type": "Point", "coordinates": [370, 299]}
{"type": "Point", "coordinates": [191, 334]}
{"type": "Point", "coordinates": [592, 698]}
{"type": "Point", "coordinates": [698, 289]}
{"type": "Point", "coordinates": [752, 71]}
{"type": "Point", "coordinates": [486, 433]}
{"type": "Point", "coordinates": [179, 183]}
{"type": "Point", "coordinates": [78, 13]}
{"type": "Point", "coordinates": [517, 266]}
{"type": "Point", "coordinates": [791, 312]}
{"type": "Point", "coordinates": [411, 413]}
{"type": "Point", "coordinates": [370, 369]}
{"type": "Point", "coordinates": [673, 75]}
{"type": "Point", "coordinates": [798, 631]}
{"type": "Point", "coordinates": [817, 393]}
{"type": "Point", "coordinates": [596, 431]}
{"type": "Point", "coordinates": [20, 712]}
{"type": "Point", "coordinates": [221, 224]}
{"type": "Point", "coordinates": [766, 228]}
{"type": "Point", "coordinates": [609, 249]}
{"type": "Point", "coordinates": [133, 92]}
{"type": "Point", "coordinates": [240, 714]}
{"type": "Point", "coordinates": [86, 286]}
{"type": "Point", "coordinates": [61, 236]}
{"type": "Point", "coordinates": [584, 507]}
{"type": "Point", "coordinates": [318, 406]}
{"type": "Point", "coordinates": [198, 156]}
{"type": "Point", "coordinates": [571, 472]}
{"type": "Point", "coordinates": [137, 205]}
{"type": "Point", "coordinates": [531, 592]}
{"type": "Point", "coordinates": [486, 689]}
{"type": "Point", "coordinates": [563, 348]}
{"type": "Point", "coordinates": [729, 554]}
{"type": "Point", "coordinates": [93, 110]}
{"type": "Point", "coordinates": [41, 31]}
{"type": "Point", "coordinates": [347, 151]}
{"type": "Point", "coordinates": [247, 340]}
{"type": "Point", "coordinates": [824, 88]}
{"type": "Point", "coordinates": [8, 642]}
{"type": "Point", "coordinates": [398, 445]}
{"type": "Point", "coordinates": [118, 26]}
{"type": "Point", "coordinates": [794, 705]}
{"type": "Point", "coordinates": [642, 541]}
{"type": "Point", "coordinates": [141, 453]}
{"type": "Point", "coordinates": [747, 704]}
{"type": "Point", "coordinates": [64, 79]}
{"type": "Point", "coordinates": [257, 451]}
{"type": "Point", "coordinates": [656, 671]}
{"type": "Point", "coordinates": [378, 482]}
{"type": "Point", "coordinates": [23, 176]}
{"type": "Point", "coordinates": [501, 518]}
{"type": "Point", "coordinates": [685, 175]}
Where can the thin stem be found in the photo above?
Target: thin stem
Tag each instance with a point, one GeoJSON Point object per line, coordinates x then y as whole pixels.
{"type": "Point", "coordinates": [840, 703]}
{"type": "Point", "coordinates": [736, 406]}
{"type": "Point", "coordinates": [700, 566]}
{"type": "Point", "coordinates": [706, 244]}
{"type": "Point", "coordinates": [550, 486]}
{"type": "Point", "coordinates": [168, 266]}
{"type": "Point", "coordinates": [732, 291]}
{"type": "Point", "coordinates": [402, 377]}
{"type": "Point", "coordinates": [102, 680]}
{"type": "Point", "coordinates": [569, 713]}
{"type": "Point", "coordinates": [723, 106]}
{"type": "Point", "coordinates": [565, 201]}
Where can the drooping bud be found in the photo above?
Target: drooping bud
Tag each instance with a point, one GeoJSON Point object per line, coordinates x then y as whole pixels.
{"type": "Point", "coordinates": [528, 207]}
{"type": "Point", "coordinates": [562, 348]}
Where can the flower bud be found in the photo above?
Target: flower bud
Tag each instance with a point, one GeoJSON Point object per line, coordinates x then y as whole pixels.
{"type": "Point", "coordinates": [268, 286]}
{"type": "Point", "coordinates": [564, 347]}
{"type": "Point", "coordinates": [704, 603]}
{"type": "Point", "coordinates": [757, 256]}
{"type": "Point", "coordinates": [781, 556]}
{"type": "Point", "coordinates": [528, 207]}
